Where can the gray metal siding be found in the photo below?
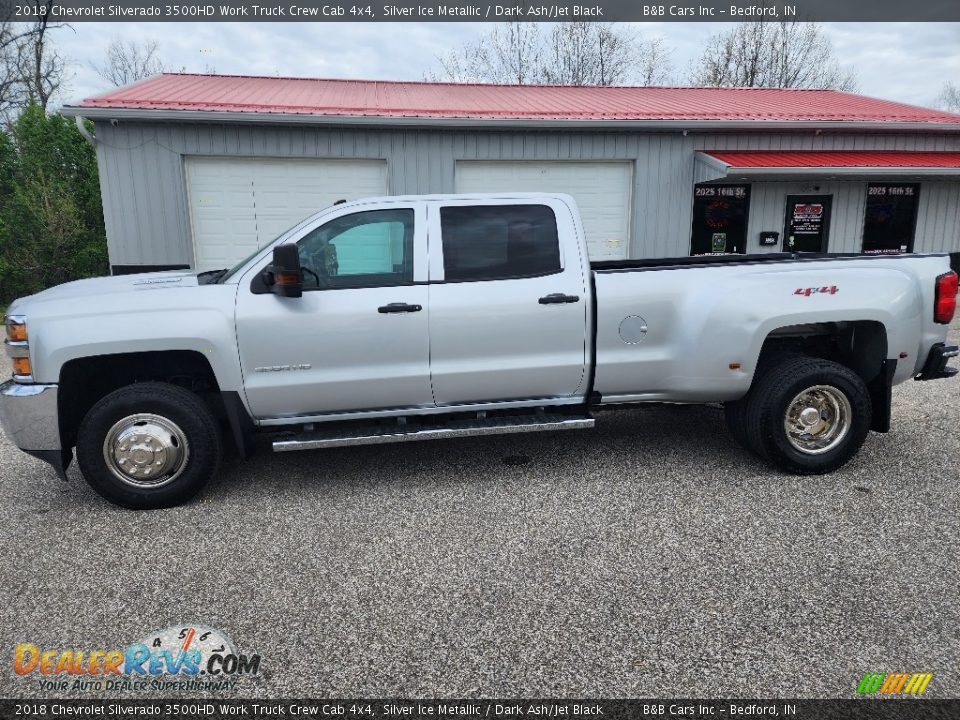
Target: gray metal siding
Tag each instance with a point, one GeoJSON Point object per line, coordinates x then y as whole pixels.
{"type": "Point", "coordinates": [145, 208]}
{"type": "Point", "coordinates": [147, 215]}
{"type": "Point", "coordinates": [938, 217]}
{"type": "Point", "coordinates": [938, 213]}
{"type": "Point", "coordinates": [768, 211]}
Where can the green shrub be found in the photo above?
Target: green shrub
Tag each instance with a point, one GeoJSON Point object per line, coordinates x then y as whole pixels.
{"type": "Point", "coordinates": [51, 219]}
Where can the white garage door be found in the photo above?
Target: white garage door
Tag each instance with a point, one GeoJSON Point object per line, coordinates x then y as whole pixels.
{"type": "Point", "coordinates": [602, 191]}
{"type": "Point", "coordinates": [238, 205]}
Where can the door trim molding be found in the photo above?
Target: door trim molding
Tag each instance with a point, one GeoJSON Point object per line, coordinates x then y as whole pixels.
{"type": "Point", "coordinates": [418, 410]}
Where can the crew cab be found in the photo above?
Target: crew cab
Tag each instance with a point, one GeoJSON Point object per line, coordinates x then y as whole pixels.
{"type": "Point", "coordinates": [414, 318]}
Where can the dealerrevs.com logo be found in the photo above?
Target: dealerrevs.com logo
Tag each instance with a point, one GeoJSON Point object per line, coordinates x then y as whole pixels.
{"type": "Point", "coordinates": [182, 657]}
{"type": "Point", "coordinates": [894, 683]}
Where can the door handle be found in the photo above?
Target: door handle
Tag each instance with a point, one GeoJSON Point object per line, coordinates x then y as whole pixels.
{"type": "Point", "coordinates": [399, 308]}
{"type": "Point", "coordinates": [558, 298]}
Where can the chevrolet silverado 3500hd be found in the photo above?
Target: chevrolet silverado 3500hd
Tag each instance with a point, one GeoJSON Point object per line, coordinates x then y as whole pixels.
{"type": "Point", "coordinates": [411, 318]}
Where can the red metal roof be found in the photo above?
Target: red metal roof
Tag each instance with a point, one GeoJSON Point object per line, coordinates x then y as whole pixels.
{"type": "Point", "coordinates": [836, 159]}
{"type": "Point", "coordinates": [358, 98]}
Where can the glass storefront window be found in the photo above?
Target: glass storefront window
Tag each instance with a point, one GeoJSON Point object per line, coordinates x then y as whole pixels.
{"type": "Point", "coordinates": [890, 218]}
{"type": "Point", "coordinates": [720, 215]}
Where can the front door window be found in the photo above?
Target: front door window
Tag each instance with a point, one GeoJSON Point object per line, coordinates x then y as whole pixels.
{"type": "Point", "coordinates": [365, 249]}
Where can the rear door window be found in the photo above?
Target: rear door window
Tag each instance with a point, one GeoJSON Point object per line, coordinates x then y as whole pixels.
{"type": "Point", "coordinates": [499, 242]}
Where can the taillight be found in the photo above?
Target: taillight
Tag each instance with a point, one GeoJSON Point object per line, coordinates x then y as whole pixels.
{"type": "Point", "coordinates": [945, 298]}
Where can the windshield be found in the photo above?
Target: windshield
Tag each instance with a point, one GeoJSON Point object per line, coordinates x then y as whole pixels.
{"type": "Point", "coordinates": [239, 266]}
{"type": "Point", "coordinates": [243, 262]}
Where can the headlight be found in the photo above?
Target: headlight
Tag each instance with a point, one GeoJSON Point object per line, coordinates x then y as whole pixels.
{"type": "Point", "coordinates": [18, 348]}
{"type": "Point", "coordinates": [16, 328]}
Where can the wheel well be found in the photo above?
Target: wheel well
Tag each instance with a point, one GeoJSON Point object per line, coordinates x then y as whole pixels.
{"type": "Point", "coordinates": [860, 345]}
{"type": "Point", "coordinates": [85, 380]}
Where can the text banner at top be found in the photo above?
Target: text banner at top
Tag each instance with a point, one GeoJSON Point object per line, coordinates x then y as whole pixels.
{"type": "Point", "coordinates": [73, 11]}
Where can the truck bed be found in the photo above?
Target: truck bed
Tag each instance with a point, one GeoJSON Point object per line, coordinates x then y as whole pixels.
{"type": "Point", "coordinates": [686, 337]}
{"type": "Point", "coordinates": [735, 259]}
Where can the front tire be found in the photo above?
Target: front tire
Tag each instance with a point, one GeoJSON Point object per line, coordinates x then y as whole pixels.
{"type": "Point", "coordinates": [148, 445]}
{"type": "Point", "coordinates": [808, 416]}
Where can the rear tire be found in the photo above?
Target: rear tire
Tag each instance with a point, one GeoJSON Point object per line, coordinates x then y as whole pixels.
{"type": "Point", "coordinates": [735, 411]}
{"type": "Point", "coordinates": [735, 414]}
{"type": "Point", "coordinates": [148, 445]}
{"type": "Point", "coordinates": [808, 416]}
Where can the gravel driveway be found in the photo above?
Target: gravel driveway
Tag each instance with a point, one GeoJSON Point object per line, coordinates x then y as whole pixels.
{"type": "Point", "coordinates": [650, 557]}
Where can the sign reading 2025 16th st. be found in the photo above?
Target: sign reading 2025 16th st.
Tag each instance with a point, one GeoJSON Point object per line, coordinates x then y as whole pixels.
{"type": "Point", "coordinates": [188, 657]}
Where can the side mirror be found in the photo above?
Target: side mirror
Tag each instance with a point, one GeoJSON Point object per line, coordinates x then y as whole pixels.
{"type": "Point", "coordinates": [284, 276]}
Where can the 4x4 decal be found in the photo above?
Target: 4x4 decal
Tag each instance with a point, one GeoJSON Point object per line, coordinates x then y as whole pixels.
{"type": "Point", "coordinates": [828, 290]}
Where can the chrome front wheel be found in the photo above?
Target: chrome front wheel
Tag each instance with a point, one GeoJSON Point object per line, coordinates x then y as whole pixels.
{"type": "Point", "coordinates": [817, 419]}
{"type": "Point", "coordinates": [148, 445]}
{"type": "Point", "coordinates": [146, 450]}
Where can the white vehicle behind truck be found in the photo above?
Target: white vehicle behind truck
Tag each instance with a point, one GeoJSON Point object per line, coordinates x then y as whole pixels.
{"type": "Point", "coordinates": [413, 318]}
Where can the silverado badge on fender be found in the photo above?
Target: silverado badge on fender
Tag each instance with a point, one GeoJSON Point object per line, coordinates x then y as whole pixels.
{"type": "Point", "coordinates": [283, 368]}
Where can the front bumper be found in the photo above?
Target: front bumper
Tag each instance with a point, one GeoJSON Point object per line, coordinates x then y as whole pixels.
{"type": "Point", "coordinates": [29, 417]}
{"type": "Point", "coordinates": [935, 367]}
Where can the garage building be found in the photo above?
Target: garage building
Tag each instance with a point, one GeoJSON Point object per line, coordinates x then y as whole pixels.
{"type": "Point", "coordinates": [200, 170]}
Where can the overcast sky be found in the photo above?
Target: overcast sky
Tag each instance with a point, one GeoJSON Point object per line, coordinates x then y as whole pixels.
{"type": "Point", "coordinates": [908, 62]}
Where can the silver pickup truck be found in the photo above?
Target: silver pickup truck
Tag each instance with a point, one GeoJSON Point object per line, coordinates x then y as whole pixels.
{"type": "Point", "coordinates": [414, 318]}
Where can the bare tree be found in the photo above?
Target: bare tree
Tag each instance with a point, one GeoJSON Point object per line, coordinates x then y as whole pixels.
{"type": "Point", "coordinates": [653, 64]}
{"type": "Point", "coordinates": [42, 67]}
{"type": "Point", "coordinates": [130, 61]}
{"type": "Point", "coordinates": [764, 54]}
{"type": "Point", "coordinates": [9, 64]}
{"type": "Point", "coordinates": [509, 53]}
{"type": "Point", "coordinates": [592, 53]}
{"type": "Point", "coordinates": [31, 70]}
{"type": "Point", "coordinates": [579, 53]}
{"type": "Point", "coordinates": [949, 98]}
{"type": "Point", "coordinates": [583, 53]}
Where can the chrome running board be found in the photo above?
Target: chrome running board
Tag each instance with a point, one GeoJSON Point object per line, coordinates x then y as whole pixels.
{"type": "Point", "coordinates": [342, 437]}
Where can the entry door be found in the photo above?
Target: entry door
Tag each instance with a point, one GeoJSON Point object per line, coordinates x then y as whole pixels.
{"type": "Point", "coordinates": [508, 308]}
{"type": "Point", "coordinates": [807, 225]}
{"type": "Point", "coordinates": [357, 338]}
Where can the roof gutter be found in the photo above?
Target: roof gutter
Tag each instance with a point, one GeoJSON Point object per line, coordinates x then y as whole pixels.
{"type": "Point", "coordinates": [219, 116]}
{"type": "Point", "coordinates": [820, 171]}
